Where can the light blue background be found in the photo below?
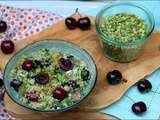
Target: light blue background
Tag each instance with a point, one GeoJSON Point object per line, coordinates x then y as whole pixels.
{"type": "Point", "coordinates": [66, 8]}
{"type": "Point", "coordinates": [122, 108]}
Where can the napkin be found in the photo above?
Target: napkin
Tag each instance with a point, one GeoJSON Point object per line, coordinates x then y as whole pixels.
{"type": "Point", "coordinates": [23, 23]}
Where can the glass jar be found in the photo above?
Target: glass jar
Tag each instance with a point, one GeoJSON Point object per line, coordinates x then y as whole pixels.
{"type": "Point", "coordinates": [129, 50]}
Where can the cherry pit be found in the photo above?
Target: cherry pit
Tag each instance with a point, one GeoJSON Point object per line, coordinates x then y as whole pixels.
{"type": "Point", "coordinates": [83, 23]}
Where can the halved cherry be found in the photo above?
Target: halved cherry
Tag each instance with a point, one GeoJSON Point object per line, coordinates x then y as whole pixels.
{"type": "Point", "coordinates": [32, 96]}
{"type": "Point", "coordinates": [28, 65]}
{"type": "Point", "coordinates": [60, 94]}
{"type": "Point", "coordinates": [42, 78]}
{"type": "Point", "coordinates": [65, 64]}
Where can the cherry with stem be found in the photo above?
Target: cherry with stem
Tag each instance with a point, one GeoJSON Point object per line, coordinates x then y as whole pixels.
{"type": "Point", "coordinates": [137, 107]}
{"type": "Point", "coordinates": [83, 22]}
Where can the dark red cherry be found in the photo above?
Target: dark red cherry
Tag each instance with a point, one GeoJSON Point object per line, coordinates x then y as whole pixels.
{"type": "Point", "coordinates": [71, 23]}
{"type": "Point", "coordinates": [60, 94]}
{"type": "Point", "coordinates": [144, 86]}
{"type": "Point", "coordinates": [15, 84]}
{"type": "Point", "coordinates": [28, 65]}
{"type": "Point", "coordinates": [65, 64]}
{"type": "Point", "coordinates": [3, 26]}
{"type": "Point", "coordinates": [7, 46]}
{"type": "Point", "coordinates": [84, 23]}
{"type": "Point", "coordinates": [34, 97]}
{"type": "Point", "coordinates": [42, 78]}
{"type": "Point", "coordinates": [114, 77]}
{"type": "Point", "coordinates": [139, 107]}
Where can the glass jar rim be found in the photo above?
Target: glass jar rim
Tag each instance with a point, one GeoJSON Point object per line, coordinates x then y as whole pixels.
{"type": "Point", "coordinates": [138, 41]}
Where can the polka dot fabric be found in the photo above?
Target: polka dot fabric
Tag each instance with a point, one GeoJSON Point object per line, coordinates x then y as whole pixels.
{"type": "Point", "coordinates": [22, 23]}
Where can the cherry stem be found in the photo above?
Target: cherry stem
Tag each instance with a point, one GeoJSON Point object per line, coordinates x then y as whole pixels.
{"type": "Point", "coordinates": [156, 91]}
{"type": "Point", "coordinates": [130, 98]}
{"type": "Point", "coordinates": [124, 80]}
{"type": "Point", "coordinates": [76, 12]}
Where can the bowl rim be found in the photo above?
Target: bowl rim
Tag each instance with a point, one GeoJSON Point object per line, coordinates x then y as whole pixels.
{"type": "Point", "coordinates": [138, 41]}
{"type": "Point", "coordinates": [58, 110]}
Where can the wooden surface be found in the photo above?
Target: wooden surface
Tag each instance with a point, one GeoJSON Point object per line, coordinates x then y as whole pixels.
{"type": "Point", "coordinates": [103, 94]}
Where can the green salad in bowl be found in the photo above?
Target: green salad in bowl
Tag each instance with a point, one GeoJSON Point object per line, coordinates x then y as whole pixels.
{"type": "Point", "coordinates": [50, 76]}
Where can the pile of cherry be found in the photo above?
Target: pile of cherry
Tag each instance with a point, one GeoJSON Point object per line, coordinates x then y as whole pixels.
{"type": "Point", "coordinates": [83, 22]}
{"type": "Point", "coordinates": [115, 77]}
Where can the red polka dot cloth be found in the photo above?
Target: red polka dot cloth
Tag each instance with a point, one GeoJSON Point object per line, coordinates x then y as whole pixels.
{"type": "Point", "coordinates": [22, 23]}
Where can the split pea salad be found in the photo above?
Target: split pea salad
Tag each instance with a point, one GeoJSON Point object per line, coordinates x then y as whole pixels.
{"type": "Point", "coordinates": [123, 34]}
{"type": "Point", "coordinates": [50, 79]}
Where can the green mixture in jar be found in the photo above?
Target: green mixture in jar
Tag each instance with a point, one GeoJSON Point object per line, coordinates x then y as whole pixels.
{"type": "Point", "coordinates": [123, 27]}
{"type": "Point", "coordinates": [50, 79]}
